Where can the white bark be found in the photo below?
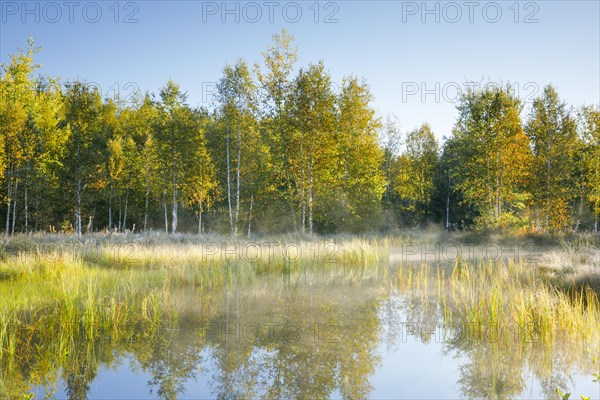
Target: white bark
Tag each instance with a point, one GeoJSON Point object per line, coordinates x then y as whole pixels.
{"type": "Point", "coordinates": [228, 159]}
{"type": "Point", "coordinates": [448, 206]}
{"type": "Point", "coordinates": [250, 215]}
{"type": "Point", "coordinates": [125, 211]}
{"type": "Point", "coordinates": [146, 210]}
{"type": "Point", "coordinates": [110, 211]}
{"type": "Point", "coordinates": [303, 183]}
{"type": "Point", "coordinates": [78, 208]}
{"type": "Point", "coordinates": [14, 210]}
{"type": "Point", "coordinates": [166, 215]}
{"type": "Point", "coordinates": [200, 216]}
{"type": "Point", "coordinates": [310, 197]}
{"type": "Point", "coordinates": [26, 200]}
{"type": "Point", "coordinates": [548, 189]}
{"type": "Point", "coordinates": [237, 192]}
{"type": "Point", "coordinates": [8, 202]}
{"type": "Point", "coordinates": [174, 212]}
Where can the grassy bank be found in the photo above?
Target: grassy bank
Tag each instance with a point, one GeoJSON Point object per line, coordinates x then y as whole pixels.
{"type": "Point", "coordinates": [99, 285]}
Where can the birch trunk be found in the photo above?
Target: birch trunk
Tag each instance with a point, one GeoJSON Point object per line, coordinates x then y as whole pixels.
{"type": "Point", "coordinates": [8, 203]}
{"type": "Point", "coordinates": [228, 159]}
{"type": "Point", "coordinates": [310, 197]}
{"type": "Point", "coordinates": [125, 210]}
{"type": "Point", "coordinates": [26, 200]}
{"type": "Point", "coordinates": [250, 215]}
{"type": "Point", "coordinates": [200, 216]}
{"type": "Point", "coordinates": [78, 208]}
{"type": "Point", "coordinates": [548, 189]}
{"type": "Point", "coordinates": [174, 212]}
{"type": "Point", "coordinates": [448, 206]}
{"type": "Point", "coordinates": [303, 182]}
{"type": "Point", "coordinates": [110, 211]}
{"type": "Point", "coordinates": [166, 215]}
{"type": "Point", "coordinates": [237, 192]}
{"type": "Point", "coordinates": [14, 210]}
{"type": "Point", "coordinates": [146, 209]}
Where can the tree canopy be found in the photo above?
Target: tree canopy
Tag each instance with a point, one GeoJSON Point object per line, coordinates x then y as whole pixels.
{"type": "Point", "coordinates": [284, 149]}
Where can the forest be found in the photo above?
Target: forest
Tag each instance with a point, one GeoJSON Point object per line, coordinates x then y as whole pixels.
{"type": "Point", "coordinates": [282, 151]}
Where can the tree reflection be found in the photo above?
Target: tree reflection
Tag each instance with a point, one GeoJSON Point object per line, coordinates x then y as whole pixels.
{"type": "Point", "coordinates": [292, 338]}
{"type": "Point", "coordinates": [309, 344]}
{"type": "Point", "coordinates": [173, 360]}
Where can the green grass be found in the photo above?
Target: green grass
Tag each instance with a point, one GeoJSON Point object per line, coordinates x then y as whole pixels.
{"type": "Point", "coordinates": [96, 287]}
{"type": "Point", "coordinates": [60, 298]}
{"type": "Point", "coordinates": [507, 295]}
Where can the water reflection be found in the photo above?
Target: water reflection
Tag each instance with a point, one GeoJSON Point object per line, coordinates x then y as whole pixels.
{"type": "Point", "coordinates": [310, 337]}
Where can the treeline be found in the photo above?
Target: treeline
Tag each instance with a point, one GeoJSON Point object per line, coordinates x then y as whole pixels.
{"type": "Point", "coordinates": [284, 152]}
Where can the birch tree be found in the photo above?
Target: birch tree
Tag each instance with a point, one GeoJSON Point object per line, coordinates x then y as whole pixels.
{"type": "Point", "coordinates": [312, 157]}
{"type": "Point", "coordinates": [417, 165]}
{"type": "Point", "coordinates": [43, 153]}
{"type": "Point", "coordinates": [142, 132]}
{"type": "Point", "coordinates": [16, 107]}
{"type": "Point", "coordinates": [85, 147]}
{"type": "Point", "coordinates": [553, 137]}
{"type": "Point", "coordinates": [362, 182]}
{"type": "Point", "coordinates": [237, 104]}
{"type": "Point", "coordinates": [274, 79]}
{"type": "Point", "coordinates": [201, 186]}
{"type": "Point", "coordinates": [492, 156]}
{"type": "Point", "coordinates": [176, 140]}
{"type": "Point", "coordinates": [590, 118]}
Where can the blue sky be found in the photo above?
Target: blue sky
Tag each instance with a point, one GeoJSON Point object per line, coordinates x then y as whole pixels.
{"type": "Point", "coordinates": [416, 56]}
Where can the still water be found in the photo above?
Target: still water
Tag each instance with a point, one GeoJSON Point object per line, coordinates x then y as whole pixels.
{"type": "Point", "coordinates": [314, 336]}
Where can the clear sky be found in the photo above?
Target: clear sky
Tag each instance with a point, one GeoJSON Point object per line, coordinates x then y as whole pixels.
{"type": "Point", "coordinates": [416, 56]}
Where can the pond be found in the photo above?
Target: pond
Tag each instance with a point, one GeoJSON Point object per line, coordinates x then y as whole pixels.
{"type": "Point", "coordinates": [384, 332]}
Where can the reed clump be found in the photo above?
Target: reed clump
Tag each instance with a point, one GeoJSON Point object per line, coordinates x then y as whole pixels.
{"type": "Point", "coordinates": [507, 297]}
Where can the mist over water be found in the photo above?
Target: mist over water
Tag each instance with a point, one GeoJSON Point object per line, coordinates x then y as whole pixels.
{"type": "Point", "coordinates": [315, 334]}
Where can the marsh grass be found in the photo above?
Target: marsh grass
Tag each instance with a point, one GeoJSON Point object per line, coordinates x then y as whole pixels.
{"type": "Point", "coordinates": [60, 297]}
{"type": "Point", "coordinates": [96, 288]}
{"type": "Point", "coordinates": [505, 318]}
{"type": "Point", "coordinates": [498, 298]}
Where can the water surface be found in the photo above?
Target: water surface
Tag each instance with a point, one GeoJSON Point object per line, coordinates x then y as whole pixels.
{"type": "Point", "coordinates": [315, 335]}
